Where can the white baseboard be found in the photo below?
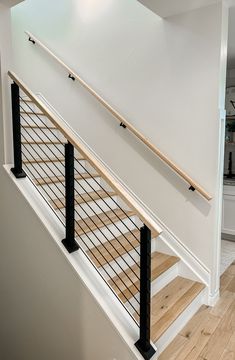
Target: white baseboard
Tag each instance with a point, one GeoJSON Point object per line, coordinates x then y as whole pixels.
{"type": "Point", "coordinates": [212, 299]}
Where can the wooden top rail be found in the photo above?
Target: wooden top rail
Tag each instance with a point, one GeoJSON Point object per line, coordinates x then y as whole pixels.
{"type": "Point", "coordinates": [193, 184]}
{"type": "Point", "coordinates": [73, 139]}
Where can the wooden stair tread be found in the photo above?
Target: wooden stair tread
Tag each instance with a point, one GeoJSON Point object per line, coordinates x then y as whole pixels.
{"type": "Point", "coordinates": [32, 113]}
{"type": "Point", "coordinates": [42, 142]}
{"type": "Point", "coordinates": [103, 254]}
{"type": "Point", "coordinates": [170, 302]}
{"type": "Point", "coordinates": [126, 284]}
{"type": "Point", "coordinates": [39, 127]}
{"type": "Point", "coordinates": [26, 100]}
{"type": "Point", "coordinates": [56, 179]}
{"type": "Point", "coordinates": [93, 222]}
{"type": "Point", "coordinates": [80, 199]}
{"type": "Point", "coordinates": [48, 160]}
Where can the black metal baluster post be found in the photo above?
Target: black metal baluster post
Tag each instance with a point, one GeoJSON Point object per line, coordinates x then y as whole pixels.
{"type": "Point", "coordinates": [69, 242]}
{"type": "Point", "coordinates": [16, 128]}
{"type": "Point", "coordinates": [143, 344]}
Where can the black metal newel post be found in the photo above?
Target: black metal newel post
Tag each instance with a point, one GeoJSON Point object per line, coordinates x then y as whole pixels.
{"type": "Point", "coordinates": [143, 344]}
{"type": "Point", "coordinates": [16, 128]}
{"type": "Point", "coordinates": [69, 242]}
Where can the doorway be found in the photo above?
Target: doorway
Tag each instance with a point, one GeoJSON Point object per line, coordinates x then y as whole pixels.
{"type": "Point", "coordinates": [228, 208]}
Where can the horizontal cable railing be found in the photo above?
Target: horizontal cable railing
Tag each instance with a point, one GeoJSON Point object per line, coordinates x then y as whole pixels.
{"type": "Point", "coordinates": [100, 218]}
{"type": "Point", "coordinates": [193, 185]}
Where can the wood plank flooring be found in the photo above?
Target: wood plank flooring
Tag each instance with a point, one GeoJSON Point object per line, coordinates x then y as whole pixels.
{"type": "Point", "coordinates": [210, 334]}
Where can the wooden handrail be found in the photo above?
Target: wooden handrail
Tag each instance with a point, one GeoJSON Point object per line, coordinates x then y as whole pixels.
{"type": "Point", "coordinates": [73, 139]}
{"type": "Point", "coordinates": [193, 184]}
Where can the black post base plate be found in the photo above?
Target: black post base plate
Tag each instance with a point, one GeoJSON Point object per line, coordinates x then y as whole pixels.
{"type": "Point", "coordinates": [147, 354]}
{"type": "Point", "coordinates": [70, 245]}
{"type": "Point", "coordinates": [18, 174]}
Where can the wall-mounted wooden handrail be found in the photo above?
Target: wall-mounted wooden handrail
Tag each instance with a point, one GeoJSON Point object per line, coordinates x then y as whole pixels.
{"type": "Point", "coordinates": [82, 149]}
{"type": "Point", "coordinates": [193, 184]}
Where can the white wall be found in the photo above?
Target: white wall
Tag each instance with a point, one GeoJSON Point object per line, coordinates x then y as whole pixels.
{"type": "Point", "coordinates": [165, 76]}
{"type": "Point", "coordinates": [5, 63]}
{"type": "Point", "coordinates": [46, 311]}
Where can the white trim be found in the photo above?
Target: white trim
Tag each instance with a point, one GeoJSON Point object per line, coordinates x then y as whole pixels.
{"type": "Point", "coordinates": [216, 249]}
{"type": "Point", "coordinates": [111, 306]}
{"type": "Point", "coordinates": [193, 264]}
{"type": "Point", "coordinates": [212, 299]}
{"type": "Point", "coordinates": [215, 277]}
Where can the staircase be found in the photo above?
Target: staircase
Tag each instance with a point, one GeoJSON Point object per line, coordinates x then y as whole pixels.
{"type": "Point", "coordinates": [107, 227]}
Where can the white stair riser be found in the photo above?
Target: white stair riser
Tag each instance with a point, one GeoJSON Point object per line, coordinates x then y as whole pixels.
{"type": "Point", "coordinates": [35, 151]}
{"type": "Point", "coordinates": [121, 264]}
{"type": "Point", "coordinates": [41, 135]}
{"type": "Point", "coordinates": [156, 286]}
{"type": "Point", "coordinates": [49, 169]}
{"type": "Point", "coordinates": [55, 191]}
{"type": "Point", "coordinates": [28, 106]}
{"type": "Point", "coordinates": [29, 119]}
{"type": "Point", "coordinates": [97, 207]}
{"type": "Point", "coordinates": [84, 210]}
{"type": "Point", "coordinates": [87, 185]}
{"type": "Point", "coordinates": [100, 236]}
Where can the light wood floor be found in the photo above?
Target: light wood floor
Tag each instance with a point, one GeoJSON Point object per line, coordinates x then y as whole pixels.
{"type": "Point", "coordinates": [210, 334]}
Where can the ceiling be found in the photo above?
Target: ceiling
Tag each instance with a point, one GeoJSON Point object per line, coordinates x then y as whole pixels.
{"type": "Point", "coordinates": [165, 8]}
{"type": "Point", "coordinates": [10, 3]}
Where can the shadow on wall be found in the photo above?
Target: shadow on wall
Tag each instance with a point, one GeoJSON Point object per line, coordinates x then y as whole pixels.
{"type": "Point", "coordinates": [168, 174]}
